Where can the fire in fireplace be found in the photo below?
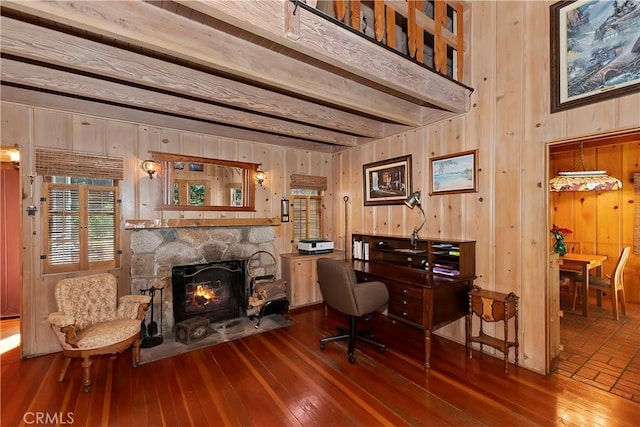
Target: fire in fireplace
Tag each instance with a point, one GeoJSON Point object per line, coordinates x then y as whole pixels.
{"type": "Point", "coordinates": [214, 290]}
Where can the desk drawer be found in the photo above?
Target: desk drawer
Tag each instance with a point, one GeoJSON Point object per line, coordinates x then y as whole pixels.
{"type": "Point", "coordinates": [410, 292]}
{"type": "Point", "coordinates": [405, 302]}
{"type": "Point", "coordinates": [406, 310]}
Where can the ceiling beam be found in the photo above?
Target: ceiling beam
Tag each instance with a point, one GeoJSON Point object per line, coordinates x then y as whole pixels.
{"type": "Point", "coordinates": [93, 108]}
{"type": "Point", "coordinates": [74, 84]}
{"type": "Point", "coordinates": [44, 45]}
{"type": "Point", "coordinates": [148, 26]}
{"type": "Point", "coordinates": [330, 43]}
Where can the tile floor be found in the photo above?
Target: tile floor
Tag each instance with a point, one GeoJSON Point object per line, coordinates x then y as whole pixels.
{"type": "Point", "coordinates": [600, 351]}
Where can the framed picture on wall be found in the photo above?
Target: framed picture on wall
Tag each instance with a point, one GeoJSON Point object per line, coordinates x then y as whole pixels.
{"type": "Point", "coordinates": [387, 182]}
{"type": "Point", "coordinates": [454, 173]}
{"type": "Point", "coordinates": [595, 48]}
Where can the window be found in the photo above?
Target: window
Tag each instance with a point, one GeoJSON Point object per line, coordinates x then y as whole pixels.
{"type": "Point", "coordinates": [81, 224]}
{"type": "Point", "coordinates": [307, 214]}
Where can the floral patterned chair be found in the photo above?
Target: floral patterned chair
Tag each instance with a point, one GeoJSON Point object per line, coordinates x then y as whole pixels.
{"type": "Point", "coordinates": [89, 321]}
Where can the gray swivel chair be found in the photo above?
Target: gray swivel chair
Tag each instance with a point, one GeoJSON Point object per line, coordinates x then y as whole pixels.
{"type": "Point", "coordinates": [341, 292]}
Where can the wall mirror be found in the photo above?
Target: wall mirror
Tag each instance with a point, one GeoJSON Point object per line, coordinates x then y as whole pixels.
{"type": "Point", "coordinates": [203, 184]}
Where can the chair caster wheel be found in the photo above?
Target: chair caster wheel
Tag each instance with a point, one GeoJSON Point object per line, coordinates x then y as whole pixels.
{"type": "Point", "coordinates": [321, 346]}
{"type": "Point", "coordinates": [352, 359]}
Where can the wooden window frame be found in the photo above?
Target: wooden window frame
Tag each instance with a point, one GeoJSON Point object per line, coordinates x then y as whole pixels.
{"type": "Point", "coordinates": [307, 199]}
{"type": "Point", "coordinates": [83, 263]}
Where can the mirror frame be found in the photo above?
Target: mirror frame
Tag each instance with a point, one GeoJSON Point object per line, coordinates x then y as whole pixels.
{"type": "Point", "coordinates": [166, 175]}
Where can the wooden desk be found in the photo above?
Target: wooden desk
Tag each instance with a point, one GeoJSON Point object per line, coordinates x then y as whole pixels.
{"type": "Point", "coordinates": [584, 263]}
{"type": "Point", "coordinates": [419, 301]}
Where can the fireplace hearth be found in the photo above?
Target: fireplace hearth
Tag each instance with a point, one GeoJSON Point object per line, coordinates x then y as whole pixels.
{"type": "Point", "coordinates": [214, 290]}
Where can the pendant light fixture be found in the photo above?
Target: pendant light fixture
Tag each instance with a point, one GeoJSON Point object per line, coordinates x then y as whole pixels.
{"type": "Point", "coordinates": [583, 180]}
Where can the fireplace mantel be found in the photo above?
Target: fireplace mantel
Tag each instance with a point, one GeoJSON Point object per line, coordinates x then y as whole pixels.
{"type": "Point", "coordinates": [141, 224]}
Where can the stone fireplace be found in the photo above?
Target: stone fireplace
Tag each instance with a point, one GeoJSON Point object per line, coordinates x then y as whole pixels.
{"type": "Point", "coordinates": [156, 251]}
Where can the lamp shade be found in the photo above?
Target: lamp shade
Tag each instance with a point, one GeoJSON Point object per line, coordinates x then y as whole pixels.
{"type": "Point", "coordinates": [413, 200]}
{"type": "Point", "coordinates": [150, 167]}
{"type": "Point", "coordinates": [584, 181]}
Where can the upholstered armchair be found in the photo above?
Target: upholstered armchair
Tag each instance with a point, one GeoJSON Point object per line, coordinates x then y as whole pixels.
{"type": "Point", "coordinates": [90, 322]}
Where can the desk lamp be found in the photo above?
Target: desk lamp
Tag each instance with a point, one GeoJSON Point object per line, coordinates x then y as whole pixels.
{"type": "Point", "coordinates": [412, 201]}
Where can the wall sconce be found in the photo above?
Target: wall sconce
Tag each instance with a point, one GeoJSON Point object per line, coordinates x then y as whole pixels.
{"type": "Point", "coordinates": [14, 156]}
{"type": "Point", "coordinates": [260, 176]}
{"type": "Point", "coordinates": [150, 167]}
{"type": "Point", "coordinates": [412, 201]}
{"type": "Point", "coordinates": [284, 210]}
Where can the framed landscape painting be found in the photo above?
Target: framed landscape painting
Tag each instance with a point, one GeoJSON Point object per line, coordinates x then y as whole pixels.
{"type": "Point", "coordinates": [454, 173]}
{"type": "Point", "coordinates": [387, 182]}
{"type": "Point", "coordinates": [595, 51]}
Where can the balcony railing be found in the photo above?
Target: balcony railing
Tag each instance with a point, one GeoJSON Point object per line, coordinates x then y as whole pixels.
{"type": "Point", "coordinates": [430, 32]}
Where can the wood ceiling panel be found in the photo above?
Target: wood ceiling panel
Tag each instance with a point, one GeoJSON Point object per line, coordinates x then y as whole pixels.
{"type": "Point", "coordinates": [164, 57]}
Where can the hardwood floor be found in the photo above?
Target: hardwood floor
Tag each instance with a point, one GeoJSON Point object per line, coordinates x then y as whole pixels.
{"type": "Point", "coordinates": [282, 378]}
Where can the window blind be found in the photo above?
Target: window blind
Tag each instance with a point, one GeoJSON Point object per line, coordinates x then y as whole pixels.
{"type": "Point", "coordinates": [308, 182]}
{"type": "Point", "coordinates": [68, 163]}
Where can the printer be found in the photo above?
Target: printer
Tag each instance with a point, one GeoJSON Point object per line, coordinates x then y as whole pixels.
{"type": "Point", "coordinates": [315, 246]}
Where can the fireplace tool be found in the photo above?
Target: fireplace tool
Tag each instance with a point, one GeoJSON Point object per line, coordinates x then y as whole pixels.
{"type": "Point", "coordinates": [151, 340]}
{"type": "Point", "coordinates": [268, 293]}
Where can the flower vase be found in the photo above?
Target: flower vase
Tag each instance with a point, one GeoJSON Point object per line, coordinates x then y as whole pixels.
{"type": "Point", "coordinates": [560, 247]}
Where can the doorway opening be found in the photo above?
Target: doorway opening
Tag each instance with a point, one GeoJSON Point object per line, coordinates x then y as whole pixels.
{"type": "Point", "coordinates": [596, 349]}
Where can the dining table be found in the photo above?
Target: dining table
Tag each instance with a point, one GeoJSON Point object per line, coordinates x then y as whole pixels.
{"type": "Point", "coordinates": [583, 263]}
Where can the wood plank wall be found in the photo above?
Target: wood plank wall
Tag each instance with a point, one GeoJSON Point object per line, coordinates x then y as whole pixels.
{"type": "Point", "coordinates": [28, 127]}
{"type": "Point", "coordinates": [510, 124]}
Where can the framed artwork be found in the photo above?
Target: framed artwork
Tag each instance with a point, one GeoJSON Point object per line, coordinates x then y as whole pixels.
{"type": "Point", "coordinates": [454, 173]}
{"type": "Point", "coordinates": [387, 182]}
{"type": "Point", "coordinates": [594, 51]}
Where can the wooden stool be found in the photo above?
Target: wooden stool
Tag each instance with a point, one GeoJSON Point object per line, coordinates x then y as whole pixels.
{"type": "Point", "coordinates": [493, 307]}
{"type": "Point", "coordinates": [194, 329]}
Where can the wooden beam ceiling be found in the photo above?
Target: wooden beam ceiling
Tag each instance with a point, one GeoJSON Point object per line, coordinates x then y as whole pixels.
{"type": "Point", "coordinates": [191, 65]}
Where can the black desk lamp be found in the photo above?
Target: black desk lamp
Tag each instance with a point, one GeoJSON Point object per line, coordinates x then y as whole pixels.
{"type": "Point", "coordinates": [412, 201]}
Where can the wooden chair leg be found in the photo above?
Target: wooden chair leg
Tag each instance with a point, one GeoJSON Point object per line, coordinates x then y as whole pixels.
{"type": "Point", "coordinates": [623, 303]}
{"type": "Point", "coordinates": [614, 303]}
{"type": "Point", "coordinates": [65, 366]}
{"type": "Point", "coordinates": [135, 352]}
{"type": "Point", "coordinates": [86, 364]}
{"type": "Point", "coordinates": [575, 297]}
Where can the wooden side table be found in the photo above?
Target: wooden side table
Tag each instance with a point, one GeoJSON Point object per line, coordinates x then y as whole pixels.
{"type": "Point", "coordinates": [493, 307]}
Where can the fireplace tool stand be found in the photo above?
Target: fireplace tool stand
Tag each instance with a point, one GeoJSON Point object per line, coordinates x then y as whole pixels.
{"type": "Point", "coordinates": [267, 293]}
{"type": "Point", "coordinates": [149, 338]}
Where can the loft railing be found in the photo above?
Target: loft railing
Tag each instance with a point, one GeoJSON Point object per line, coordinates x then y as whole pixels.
{"type": "Point", "coordinates": [430, 32]}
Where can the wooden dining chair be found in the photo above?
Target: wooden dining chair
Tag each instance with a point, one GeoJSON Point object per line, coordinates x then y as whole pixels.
{"type": "Point", "coordinates": [568, 281]}
{"type": "Point", "coordinates": [612, 285]}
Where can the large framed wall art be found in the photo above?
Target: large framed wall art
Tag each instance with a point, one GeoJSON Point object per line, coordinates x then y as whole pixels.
{"type": "Point", "coordinates": [595, 51]}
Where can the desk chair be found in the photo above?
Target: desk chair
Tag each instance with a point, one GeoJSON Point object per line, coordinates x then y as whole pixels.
{"type": "Point", "coordinates": [341, 292]}
{"type": "Point", "coordinates": [612, 285]}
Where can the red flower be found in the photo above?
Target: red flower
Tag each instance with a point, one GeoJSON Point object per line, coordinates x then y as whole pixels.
{"type": "Point", "coordinates": [560, 232]}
